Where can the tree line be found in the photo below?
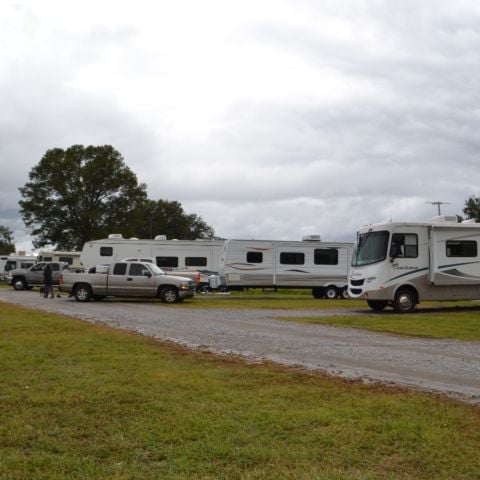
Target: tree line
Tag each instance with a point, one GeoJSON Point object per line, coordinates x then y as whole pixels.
{"type": "Point", "coordinates": [85, 193]}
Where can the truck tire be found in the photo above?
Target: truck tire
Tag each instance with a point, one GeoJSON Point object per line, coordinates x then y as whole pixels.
{"type": "Point", "coordinates": [344, 293]}
{"type": "Point", "coordinates": [331, 292]}
{"type": "Point", "coordinates": [405, 300]}
{"type": "Point", "coordinates": [82, 293]}
{"type": "Point", "coordinates": [169, 295]}
{"type": "Point", "coordinates": [19, 283]}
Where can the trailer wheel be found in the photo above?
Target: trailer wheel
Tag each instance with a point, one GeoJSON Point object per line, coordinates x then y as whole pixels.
{"type": "Point", "coordinates": [331, 292]}
{"type": "Point", "coordinates": [405, 300]}
{"type": "Point", "coordinates": [82, 293]}
{"type": "Point", "coordinates": [19, 283]}
{"type": "Point", "coordinates": [377, 305]}
{"type": "Point", "coordinates": [169, 295]}
{"type": "Point", "coordinates": [318, 292]}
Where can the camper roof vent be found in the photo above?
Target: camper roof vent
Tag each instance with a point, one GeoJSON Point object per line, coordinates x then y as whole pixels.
{"type": "Point", "coordinates": [115, 235]}
{"type": "Point", "coordinates": [445, 218]}
{"type": "Point", "coordinates": [311, 238]}
{"type": "Point", "coordinates": [160, 237]}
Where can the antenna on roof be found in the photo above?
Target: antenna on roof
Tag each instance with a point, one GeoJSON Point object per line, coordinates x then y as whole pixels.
{"type": "Point", "coordinates": [438, 205]}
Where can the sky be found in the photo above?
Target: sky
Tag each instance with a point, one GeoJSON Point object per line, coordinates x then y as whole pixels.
{"type": "Point", "coordinates": [270, 119]}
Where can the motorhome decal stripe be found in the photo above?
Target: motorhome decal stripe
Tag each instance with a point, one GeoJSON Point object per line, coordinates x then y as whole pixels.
{"type": "Point", "coordinates": [299, 271]}
{"type": "Point", "coordinates": [411, 272]}
{"type": "Point", "coordinates": [456, 273]}
{"type": "Point", "coordinates": [457, 264]}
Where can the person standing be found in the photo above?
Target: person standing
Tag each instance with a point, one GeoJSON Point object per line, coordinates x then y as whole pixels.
{"type": "Point", "coordinates": [48, 281]}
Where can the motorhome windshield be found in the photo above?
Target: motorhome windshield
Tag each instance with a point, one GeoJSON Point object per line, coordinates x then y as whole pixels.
{"type": "Point", "coordinates": [371, 247]}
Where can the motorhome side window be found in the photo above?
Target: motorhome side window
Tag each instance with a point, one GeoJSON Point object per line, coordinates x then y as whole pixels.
{"type": "Point", "coordinates": [254, 257]}
{"type": "Point", "coordinates": [461, 248]}
{"type": "Point", "coordinates": [106, 251]}
{"type": "Point", "coordinates": [167, 262]}
{"type": "Point", "coordinates": [325, 256]}
{"type": "Point", "coordinates": [404, 245]}
{"type": "Point", "coordinates": [195, 261]}
{"type": "Point", "coordinates": [120, 269]}
{"type": "Point", "coordinates": [68, 260]}
{"type": "Point", "coordinates": [292, 258]}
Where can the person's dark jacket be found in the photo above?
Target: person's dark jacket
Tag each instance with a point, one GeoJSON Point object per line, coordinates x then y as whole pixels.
{"type": "Point", "coordinates": [47, 275]}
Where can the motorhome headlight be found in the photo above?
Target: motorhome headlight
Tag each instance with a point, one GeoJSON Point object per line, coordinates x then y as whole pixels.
{"type": "Point", "coordinates": [371, 279]}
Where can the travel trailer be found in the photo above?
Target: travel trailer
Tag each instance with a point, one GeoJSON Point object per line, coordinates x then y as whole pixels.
{"type": "Point", "coordinates": [321, 266]}
{"type": "Point", "coordinates": [401, 264]}
{"type": "Point", "coordinates": [168, 254]}
{"type": "Point", "coordinates": [72, 258]}
{"type": "Point", "coordinates": [12, 262]}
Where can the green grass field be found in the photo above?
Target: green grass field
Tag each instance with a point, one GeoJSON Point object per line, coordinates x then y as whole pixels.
{"type": "Point", "coordinates": [82, 401]}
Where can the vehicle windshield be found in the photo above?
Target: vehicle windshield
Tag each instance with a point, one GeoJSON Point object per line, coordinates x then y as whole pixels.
{"type": "Point", "coordinates": [371, 247]}
{"type": "Point", "coordinates": [156, 270]}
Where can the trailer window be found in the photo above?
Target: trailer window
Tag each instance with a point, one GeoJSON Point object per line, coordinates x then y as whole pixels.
{"type": "Point", "coordinates": [45, 259]}
{"type": "Point", "coordinates": [404, 245]}
{"type": "Point", "coordinates": [167, 262]}
{"type": "Point", "coordinates": [120, 269]}
{"type": "Point", "coordinates": [106, 251]}
{"type": "Point", "coordinates": [10, 265]}
{"type": "Point", "coordinates": [461, 248]}
{"type": "Point", "coordinates": [68, 260]}
{"type": "Point", "coordinates": [325, 256]}
{"type": "Point", "coordinates": [292, 258]}
{"type": "Point", "coordinates": [255, 257]}
{"type": "Point", "coordinates": [195, 261]}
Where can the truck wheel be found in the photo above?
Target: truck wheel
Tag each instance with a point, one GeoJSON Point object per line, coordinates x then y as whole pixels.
{"type": "Point", "coordinates": [168, 295]}
{"type": "Point", "coordinates": [344, 293]}
{"type": "Point", "coordinates": [19, 283]}
{"type": "Point", "coordinates": [82, 293]}
{"type": "Point", "coordinates": [376, 305]}
{"type": "Point", "coordinates": [318, 292]}
{"type": "Point", "coordinates": [331, 292]}
{"type": "Point", "coordinates": [405, 301]}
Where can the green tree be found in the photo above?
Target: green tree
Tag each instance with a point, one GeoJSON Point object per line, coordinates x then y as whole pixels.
{"type": "Point", "coordinates": [80, 194]}
{"type": "Point", "coordinates": [472, 208]}
{"type": "Point", "coordinates": [6, 241]}
{"type": "Point", "coordinates": [162, 217]}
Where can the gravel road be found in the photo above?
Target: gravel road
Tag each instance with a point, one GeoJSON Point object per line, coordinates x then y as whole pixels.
{"type": "Point", "coordinates": [442, 366]}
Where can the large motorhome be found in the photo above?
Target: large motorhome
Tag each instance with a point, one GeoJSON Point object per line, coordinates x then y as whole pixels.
{"type": "Point", "coordinates": [72, 258]}
{"type": "Point", "coordinates": [401, 264]}
{"type": "Point", "coordinates": [321, 266]}
{"type": "Point", "coordinates": [11, 262]}
{"type": "Point", "coordinates": [168, 254]}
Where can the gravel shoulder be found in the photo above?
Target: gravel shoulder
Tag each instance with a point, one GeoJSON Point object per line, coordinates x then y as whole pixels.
{"type": "Point", "coordinates": [442, 366]}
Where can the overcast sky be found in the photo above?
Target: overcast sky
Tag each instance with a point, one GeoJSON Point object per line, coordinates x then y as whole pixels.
{"type": "Point", "coordinates": [269, 119]}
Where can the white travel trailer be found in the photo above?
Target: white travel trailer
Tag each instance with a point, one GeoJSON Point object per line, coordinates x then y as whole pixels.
{"type": "Point", "coordinates": [322, 266]}
{"type": "Point", "coordinates": [401, 264]}
{"type": "Point", "coordinates": [12, 262]}
{"type": "Point", "coordinates": [72, 258]}
{"type": "Point", "coordinates": [168, 254]}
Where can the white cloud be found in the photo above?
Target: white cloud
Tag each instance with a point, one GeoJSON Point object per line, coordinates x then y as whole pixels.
{"type": "Point", "coordinates": [271, 119]}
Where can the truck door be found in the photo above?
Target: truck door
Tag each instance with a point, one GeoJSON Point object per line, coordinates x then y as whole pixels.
{"type": "Point", "coordinates": [35, 276]}
{"type": "Point", "coordinates": [140, 281]}
{"type": "Point", "coordinates": [117, 279]}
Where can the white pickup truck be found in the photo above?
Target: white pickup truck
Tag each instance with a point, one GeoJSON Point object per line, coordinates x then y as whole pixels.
{"type": "Point", "coordinates": [127, 279]}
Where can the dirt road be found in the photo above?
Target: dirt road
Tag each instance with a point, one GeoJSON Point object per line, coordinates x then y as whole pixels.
{"type": "Point", "coordinates": [443, 366]}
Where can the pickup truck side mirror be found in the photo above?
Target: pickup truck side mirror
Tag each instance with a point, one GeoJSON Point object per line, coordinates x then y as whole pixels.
{"type": "Point", "coordinates": [146, 273]}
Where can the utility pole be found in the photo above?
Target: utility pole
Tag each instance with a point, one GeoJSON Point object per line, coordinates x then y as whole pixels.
{"type": "Point", "coordinates": [438, 205]}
